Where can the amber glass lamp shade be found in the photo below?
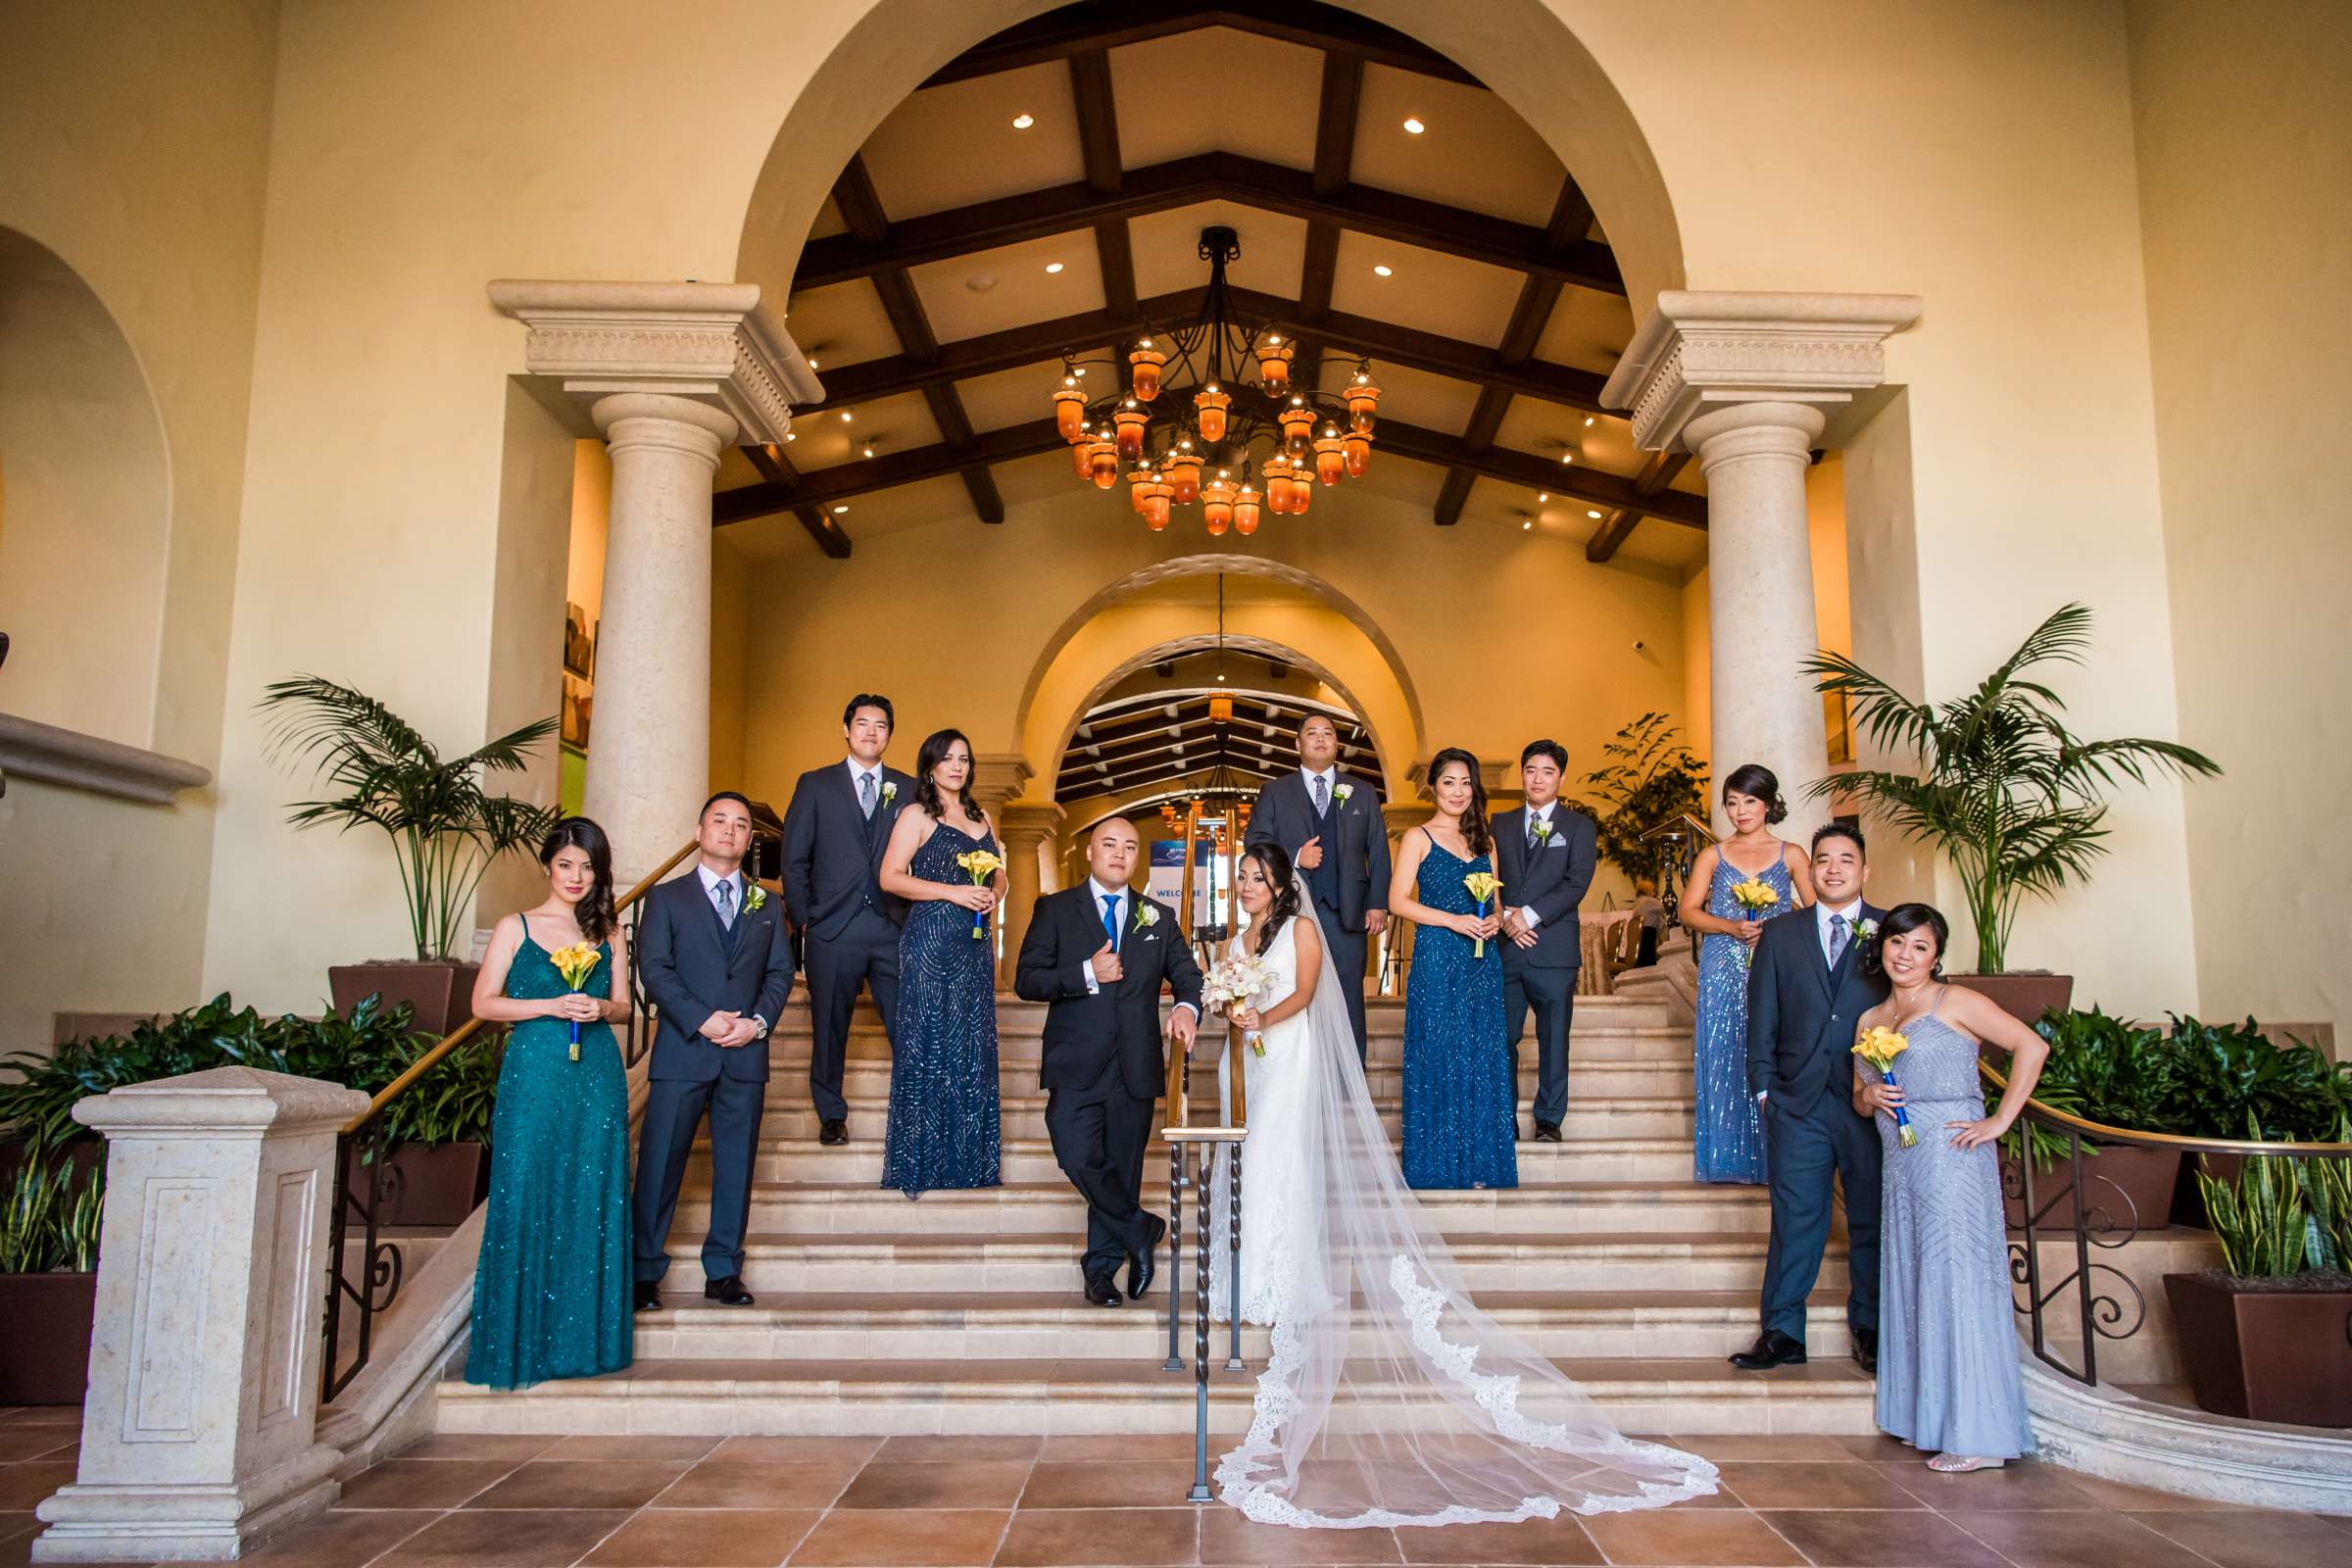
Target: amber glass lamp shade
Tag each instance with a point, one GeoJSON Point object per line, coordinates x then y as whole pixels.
{"type": "Point", "coordinates": [1069, 410]}
{"type": "Point", "coordinates": [1245, 510]}
{"type": "Point", "coordinates": [1213, 405]}
{"type": "Point", "coordinates": [1131, 422]}
{"type": "Point", "coordinates": [1331, 458]}
{"type": "Point", "coordinates": [1216, 523]}
{"type": "Point", "coordinates": [1155, 491]}
{"type": "Point", "coordinates": [1135, 489]}
{"type": "Point", "coordinates": [1298, 431]}
{"type": "Point", "coordinates": [1183, 472]}
{"type": "Point", "coordinates": [1358, 447]}
{"type": "Point", "coordinates": [1216, 503]}
{"type": "Point", "coordinates": [1102, 463]}
{"type": "Point", "coordinates": [1277, 472]}
{"type": "Point", "coordinates": [1081, 450]}
{"type": "Point", "coordinates": [1363, 398]}
{"type": "Point", "coordinates": [1220, 709]}
{"type": "Point", "coordinates": [1274, 363]}
{"type": "Point", "coordinates": [1302, 492]}
{"type": "Point", "coordinates": [1144, 365]}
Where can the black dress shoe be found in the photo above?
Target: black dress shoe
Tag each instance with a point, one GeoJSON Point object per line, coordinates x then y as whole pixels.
{"type": "Point", "coordinates": [1142, 1270]}
{"type": "Point", "coordinates": [1548, 1132]}
{"type": "Point", "coordinates": [728, 1290]}
{"type": "Point", "coordinates": [1100, 1292]}
{"type": "Point", "coordinates": [833, 1130]}
{"type": "Point", "coordinates": [649, 1297]}
{"type": "Point", "coordinates": [1866, 1349]}
{"type": "Point", "coordinates": [1772, 1349]}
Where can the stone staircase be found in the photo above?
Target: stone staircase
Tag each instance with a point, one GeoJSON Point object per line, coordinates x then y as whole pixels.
{"type": "Point", "coordinates": [959, 1312]}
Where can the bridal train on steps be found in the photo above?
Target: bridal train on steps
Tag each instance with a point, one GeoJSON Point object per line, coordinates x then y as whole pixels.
{"type": "Point", "coordinates": [1389, 1399]}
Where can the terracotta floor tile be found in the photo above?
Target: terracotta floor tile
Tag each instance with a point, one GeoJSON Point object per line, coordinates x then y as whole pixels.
{"type": "Point", "coordinates": [885, 1484]}
{"type": "Point", "coordinates": [757, 1484]}
{"type": "Point", "coordinates": [1078, 1484]}
{"type": "Point", "coordinates": [1129, 1447]}
{"type": "Point", "coordinates": [1532, 1540]}
{"type": "Point", "coordinates": [340, 1539]}
{"type": "Point", "coordinates": [910, 1538]}
{"type": "Point", "coordinates": [1848, 1484]}
{"type": "Point", "coordinates": [484, 1538]}
{"type": "Point", "coordinates": [1860, 1537]}
{"type": "Point", "coordinates": [423, 1483]}
{"type": "Point", "coordinates": [479, 1445]}
{"type": "Point", "coordinates": [650, 1448]}
{"type": "Point", "coordinates": [23, 1485]}
{"type": "Point", "coordinates": [2019, 1484]}
{"type": "Point", "coordinates": [940, 1450]}
{"type": "Point", "coordinates": [44, 1415]}
{"type": "Point", "coordinates": [578, 1484]}
{"type": "Point", "coordinates": [2050, 1539]}
{"type": "Point", "coordinates": [1877, 1445]}
{"type": "Point", "coordinates": [32, 1442]}
{"type": "Point", "coordinates": [1048, 1538]}
{"type": "Point", "coordinates": [1693, 1538]}
{"type": "Point", "coordinates": [722, 1537]}
{"type": "Point", "coordinates": [1228, 1537]}
{"type": "Point", "coordinates": [2249, 1537]}
{"type": "Point", "coordinates": [798, 1450]}
{"type": "Point", "coordinates": [1755, 1448]}
{"type": "Point", "coordinates": [16, 1530]}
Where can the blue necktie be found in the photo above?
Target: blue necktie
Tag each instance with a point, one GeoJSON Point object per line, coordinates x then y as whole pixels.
{"type": "Point", "coordinates": [1110, 919]}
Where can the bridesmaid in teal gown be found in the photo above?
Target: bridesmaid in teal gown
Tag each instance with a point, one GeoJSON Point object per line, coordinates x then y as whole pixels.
{"type": "Point", "coordinates": [551, 1292]}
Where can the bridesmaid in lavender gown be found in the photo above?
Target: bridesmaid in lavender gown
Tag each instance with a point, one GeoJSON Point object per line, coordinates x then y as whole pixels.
{"type": "Point", "coordinates": [1948, 1374]}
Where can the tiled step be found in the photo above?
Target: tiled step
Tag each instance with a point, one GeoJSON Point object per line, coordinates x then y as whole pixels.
{"type": "Point", "coordinates": [979, 1263]}
{"type": "Point", "coordinates": [830, 1396]}
{"type": "Point", "coordinates": [1023, 1116]}
{"type": "Point", "coordinates": [1591, 1325]}
{"type": "Point", "coordinates": [868, 1080]}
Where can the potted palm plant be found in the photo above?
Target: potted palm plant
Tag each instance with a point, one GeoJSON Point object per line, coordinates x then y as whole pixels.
{"type": "Point", "coordinates": [2014, 798]}
{"type": "Point", "coordinates": [445, 828]}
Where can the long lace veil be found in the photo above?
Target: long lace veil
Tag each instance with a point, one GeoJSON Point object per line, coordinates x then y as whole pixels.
{"type": "Point", "coordinates": [1389, 1397]}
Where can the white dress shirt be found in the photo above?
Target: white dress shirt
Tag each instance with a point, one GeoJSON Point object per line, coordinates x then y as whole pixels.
{"type": "Point", "coordinates": [733, 909]}
{"type": "Point", "coordinates": [1535, 814]}
{"type": "Point", "coordinates": [1123, 902]}
{"type": "Point", "coordinates": [1821, 922]}
{"type": "Point", "coordinates": [1331, 784]}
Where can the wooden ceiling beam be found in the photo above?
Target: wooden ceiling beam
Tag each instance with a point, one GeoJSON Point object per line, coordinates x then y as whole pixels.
{"type": "Point", "coordinates": [778, 471]}
{"type": "Point", "coordinates": [1656, 476]}
{"type": "Point", "coordinates": [861, 212]}
{"type": "Point", "coordinates": [1342, 93]}
{"type": "Point", "coordinates": [1210, 176]}
{"type": "Point", "coordinates": [1106, 171]}
{"type": "Point", "coordinates": [1593, 486]}
{"type": "Point", "coordinates": [1109, 24]}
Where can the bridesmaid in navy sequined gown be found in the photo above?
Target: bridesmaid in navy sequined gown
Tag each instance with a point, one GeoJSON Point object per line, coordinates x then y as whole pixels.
{"type": "Point", "coordinates": [944, 1126]}
{"type": "Point", "coordinates": [1461, 1097]}
{"type": "Point", "coordinates": [1728, 1144]}
{"type": "Point", "coordinates": [551, 1291]}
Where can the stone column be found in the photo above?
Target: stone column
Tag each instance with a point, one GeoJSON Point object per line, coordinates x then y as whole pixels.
{"type": "Point", "coordinates": [670, 373]}
{"type": "Point", "coordinates": [1751, 383]}
{"type": "Point", "coordinates": [198, 1431]}
{"type": "Point", "coordinates": [1027, 829]}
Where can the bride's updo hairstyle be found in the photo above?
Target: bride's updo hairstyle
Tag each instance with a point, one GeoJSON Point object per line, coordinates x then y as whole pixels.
{"type": "Point", "coordinates": [1275, 866]}
{"type": "Point", "coordinates": [1758, 782]}
{"type": "Point", "coordinates": [1901, 920]}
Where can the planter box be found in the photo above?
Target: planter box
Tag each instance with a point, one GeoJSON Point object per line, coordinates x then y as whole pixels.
{"type": "Point", "coordinates": [441, 990]}
{"type": "Point", "coordinates": [2145, 1177]}
{"type": "Point", "coordinates": [45, 1356]}
{"type": "Point", "coordinates": [434, 1187]}
{"type": "Point", "coordinates": [2265, 1355]}
{"type": "Point", "coordinates": [2025, 995]}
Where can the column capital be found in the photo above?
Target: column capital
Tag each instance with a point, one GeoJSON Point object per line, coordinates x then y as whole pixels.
{"type": "Point", "coordinates": [706, 343]}
{"type": "Point", "coordinates": [1700, 351]}
{"type": "Point", "coordinates": [1030, 822]}
{"type": "Point", "coordinates": [996, 777]}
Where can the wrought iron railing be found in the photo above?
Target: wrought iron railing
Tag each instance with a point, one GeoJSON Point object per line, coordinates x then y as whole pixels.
{"type": "Point", "coordinates": [367, 1283]}
{"type": "Point", "coordinates": [2107, 1301]}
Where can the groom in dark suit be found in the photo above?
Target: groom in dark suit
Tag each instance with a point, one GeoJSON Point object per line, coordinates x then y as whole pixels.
{"type": "Point", "coordinates": [1546, 855]}
{"type": "Point", "coordinates": [1331, 827]}
{"type": "Point", "coordinates": [1097, 956]}
{"type": "Point", "coordinates": [1806, 990]}
{"type": "Point", "coordinates": [714, 958]}
{"type": "Point", "coordinates": [835, 830]}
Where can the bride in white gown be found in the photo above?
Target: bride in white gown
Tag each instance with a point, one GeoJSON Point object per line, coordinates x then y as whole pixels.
{"type": "Point", "coordinates": [1389, 1399]}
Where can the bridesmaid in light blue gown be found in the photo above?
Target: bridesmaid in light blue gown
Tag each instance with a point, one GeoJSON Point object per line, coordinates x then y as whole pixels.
{"type": "Point", "coordinates": [1728, 1145]}
{"type": "Point", "coordinates": [1948, 1375]}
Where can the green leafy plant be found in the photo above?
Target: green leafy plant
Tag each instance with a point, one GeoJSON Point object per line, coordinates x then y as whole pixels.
{"type": "Point", "coordinates": [451, 1103]}
{"type": "Point", "coordinates": [1652, 779]}
{"type": "Point", "coordinates": [46, 1223]}
{"type": "Point", "coordinates": [2011, 795]}
{"type": "Point", "coordinates": [445, 828]}
{"type": "Point", "coordinates": [2224, 1077]}
{"type": "Point", "coordinates": [2259, 1220]}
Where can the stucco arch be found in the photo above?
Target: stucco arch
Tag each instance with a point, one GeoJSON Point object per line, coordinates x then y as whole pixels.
{"type": "Point", "coordinates": [1522, 50]}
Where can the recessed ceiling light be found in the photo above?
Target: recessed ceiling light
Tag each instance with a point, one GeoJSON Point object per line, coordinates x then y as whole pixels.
{"type": "Point", "coordinates": [1528, 524]}
{"type": "Point", "coordinates": [1052, 267]}
{"type": "Point", "coordinates": [1594, 515]}
{"type": "Point", "coordinates": [1023, 121]}
{"type": "Point", "coordinates": [1565, 457]}
{"type": "Point", "coordinates": [869, 452]}
{"type": "Point", "coordinates": [845, 419]}
{"type": "Point", "coordinates": [838, 510]}
{"type": "Point", "coordinates": [1384, 271]}
{"type": "Point", "coordinates": [1413, 126]}
{"type": "Point", "coordinates": [1542, 496]}
{"type": "Point", "coordinates": [1588, 422]}
{"type": "Point", "coordinates": [813, 361]}
{"type": "Point", "coordinates": [791, 435]}
{"type": "Point", "coordinates": [981, 282]}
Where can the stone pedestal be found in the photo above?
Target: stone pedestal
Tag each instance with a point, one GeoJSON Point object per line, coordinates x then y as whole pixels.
{"type": "Point", "coordinates": [198, 1431]}
{"type": "Point", "coordinates": [1026, 829]}
{"type": "Point", "coordinates": [1751, 383]}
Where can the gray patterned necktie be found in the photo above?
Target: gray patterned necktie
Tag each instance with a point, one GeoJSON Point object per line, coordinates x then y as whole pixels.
{"type": "Point", "coordinates": [1837, 932]}
{"type": "Point", "coordinates": [724, 892]}
{"type": "Point", "coordinates": [1322, 795]}
{"type": "Point", "coordinates": [1534, 831]}
{"type": "Point", "coordinates": [865, 793]}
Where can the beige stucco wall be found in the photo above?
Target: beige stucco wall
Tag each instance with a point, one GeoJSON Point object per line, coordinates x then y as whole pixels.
{"type": "Point", "coordinates": [2245, 157]}
{"type": "Point", "coordinates": [405, 172]}
{"type": "Point", "coordinates": [135, 148]}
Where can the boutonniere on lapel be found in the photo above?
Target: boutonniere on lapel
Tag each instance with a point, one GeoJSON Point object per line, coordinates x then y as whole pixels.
{"type": "Point", "coordinates": [1147, 915]}
{"type": "Point", "coordinates": [1543, 831]}
{"type": "Point", "coordinates": [890, 793]}
{"type": "Point", "coordinates": [1342, 793]}
{"type": "Point", "coordinates": [756, 900]}
{"type": "Point", "coordinates": [1866, 930]}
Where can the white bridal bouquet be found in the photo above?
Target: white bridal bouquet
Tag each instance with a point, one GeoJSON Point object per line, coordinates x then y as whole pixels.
{"type": "Point", "coordinates": [1238, 978]}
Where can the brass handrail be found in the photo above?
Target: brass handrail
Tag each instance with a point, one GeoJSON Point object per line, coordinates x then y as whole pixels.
{"type": "Point", "coordinates": [2126, 1134]}
{"type": "Point", "coordinates": [473, 1026]}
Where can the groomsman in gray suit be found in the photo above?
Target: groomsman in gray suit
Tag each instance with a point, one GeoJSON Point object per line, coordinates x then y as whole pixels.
{"type": "Point", "coordinates": [1331, 827]}
{"type": "Point", "coordinates": [1545, 854]}
{"type": "Point", "coordinates": [835, 830]}
{"type": "Point", "coordinates": [714, 960]}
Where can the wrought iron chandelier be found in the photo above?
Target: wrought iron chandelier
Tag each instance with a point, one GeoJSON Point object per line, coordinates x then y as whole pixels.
{"type": "Point", "coordinates": [1199, 448]}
